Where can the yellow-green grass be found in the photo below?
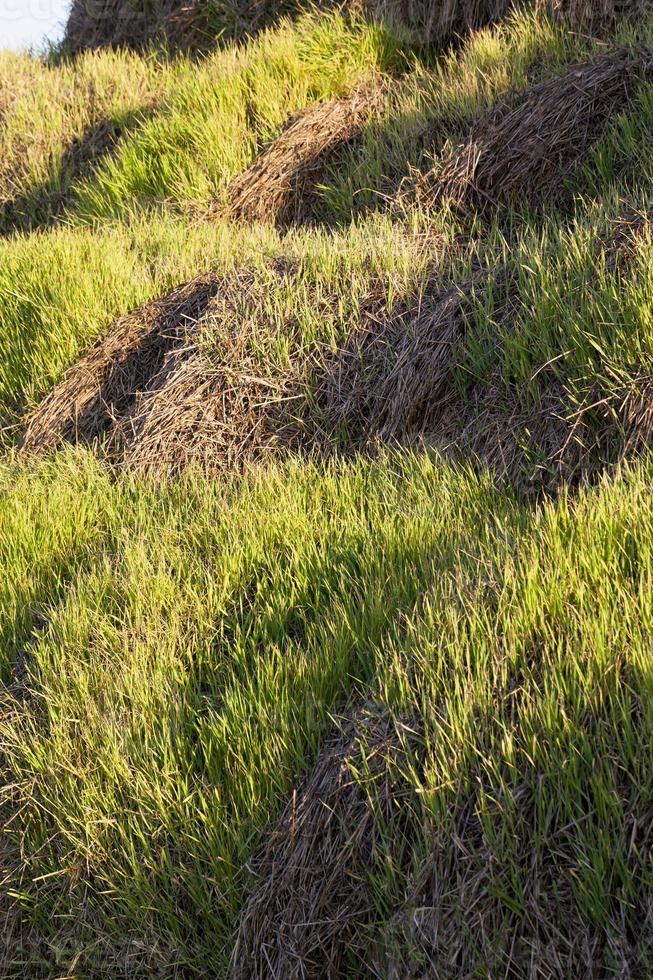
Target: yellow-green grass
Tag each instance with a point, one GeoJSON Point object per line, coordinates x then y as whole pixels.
{"type": "Point", "coordinates": [171, 653]}
{"type": "Point", "coordinates": [184, 646]}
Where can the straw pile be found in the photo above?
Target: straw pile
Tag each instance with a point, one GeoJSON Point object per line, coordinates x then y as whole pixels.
{"type": "Point", "coordinates": [438, 22]}
{"type": "Point", "coordinates": [196, 379]}
{"type": "Point", "coordinates": [197, 414]}
{"type": "Point", "coordinates": [282, 183]}
{"type": "Point", "coordinates": [392, 378]}
{"type": "Point", "coordinates": [308, 913]}
{"type": "Point", "coordinates": [101, 387]}
{"type": "Point", "coordinates": [591, 13]}
{"type": "Point", "coordinates": [435, 21]}
{"type": "Point", "coordinates": [524, 148]}
{"type": "Point", "coordinates": [630, 229]}
{"type": "Point", "coordinates": [134, 23]}
{"type": "Point", "coordinates": [214, 404]}
{"type": "Point", "coordinates": [182, 24]}
{"type": "Point", "coordinates": [458, 922]}
{"type": "Point", "coordinates": [193, 24]}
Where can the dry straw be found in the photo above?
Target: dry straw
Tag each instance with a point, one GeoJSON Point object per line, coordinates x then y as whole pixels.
{"type": "Point", "coordinates": [525, 147]}
{"type": "Point", "coordinates": [103, 384]}
{"type": "Point", "coordinates": [183, 24]}
{"type": "Point", "coordinates": [193, 24]}
{"type": "Point", "coordinates": [282, 184]}
{"type": "Point", "coordinates": [213, 404]}
{"type": "Point", "coordinates": [392, 376]}
{"type": "Point", "coordinates": [456, 921]}
{"type": "Point", "coordinates": [440, 21]}
{"type": "Point", "coordinates": [308, 911]}
{"type": "Point", "coordinates": [192, 380]}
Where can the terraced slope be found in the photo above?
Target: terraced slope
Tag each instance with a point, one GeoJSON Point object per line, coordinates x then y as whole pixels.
{"type": "Point", "coordinates": [326, 536]}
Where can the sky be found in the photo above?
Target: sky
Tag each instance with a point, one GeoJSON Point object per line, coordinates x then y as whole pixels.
{"type": "Point", "coordinates": [27, 23]}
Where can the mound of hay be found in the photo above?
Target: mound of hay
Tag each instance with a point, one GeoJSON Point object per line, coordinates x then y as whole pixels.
{"type": "Point", "coordinates": [182, 24]}
{"type": "Point", "coordinates": [195, 24]}
{"type": "Point", "coordinates": [281, 185]}
{"type": "Point", "coordinates": [197, 414]}
{"type": "Point", "coordinates": [308, 911]}
{"type": "Point", "coordinates": [212, 377]}
{"type": "Point", "coordinates": [434, 21]}
{"type": "Point", "coordinates": [455, 923]}
{"type": "Point", "coordinates": [392, 378]}
{"type": "Point", "coordinates": [111, 23]}
{"type": "Point", "coordinates": [526, 146]}
{"type": "Point", "coordinates": [187, 27]}
{"type": "Point", "coordinates": [592, 13]}
{"type": "Point", "coordinates": [214, 404]}
{"type": "Point", "coordinates": [438, 22]}
{"type": "Point", "coordinates": [101, 387]}
{"type": "Point", "coordinates": [632, 227]}
{"type": "Point", "coordinates": [134, 23]}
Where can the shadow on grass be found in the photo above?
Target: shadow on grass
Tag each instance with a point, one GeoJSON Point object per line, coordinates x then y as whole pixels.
{"type": "Point", "coordinates": [46, 203]}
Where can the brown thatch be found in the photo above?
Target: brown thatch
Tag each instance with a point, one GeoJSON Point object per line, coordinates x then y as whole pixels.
{"type": "Point", "coordinates": [194, 24]}
{"type": "Point", "coordinates": [102, 386]}
{"type": "Point", "coordinates": [197, 379]}
{"type": "Point", "coordinates": [282, 184]}
{"type": "Point", "coordinates": [212, 404]}
{"type": "Point", "coordinates": [435, 21]}
{"type": "Point", "coordinates": [632, 227]}
{"type": "Point", "coordinates": [115, 23]}
{"type": "Point", "coordinates": [592, 13]}
{"type": "Point", "coordinates": [457, 923]}
{"type": "Point", "coordinates": [392, 377]}
{"type": "Point", "coordinates": [185, 25]}
{"type": "Point", "coordinates": [438, 22]}
{"type": "Point", "coordinates": [308, 912]}
{"type": "Point", "coordinates": [194, 413]}
{"type": "Point", "coordinates": [526, 146]}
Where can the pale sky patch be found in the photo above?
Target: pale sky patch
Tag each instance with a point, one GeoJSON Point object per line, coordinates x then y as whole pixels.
{"type": "Point", "coordinates": [28, 23]}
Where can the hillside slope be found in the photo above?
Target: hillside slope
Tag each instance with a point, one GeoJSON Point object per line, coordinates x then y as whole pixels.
{"type": "Point", "coordinates": [326, 535]}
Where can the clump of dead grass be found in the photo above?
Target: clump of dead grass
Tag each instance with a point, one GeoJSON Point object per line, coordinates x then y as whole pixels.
{"type": "Point", "coordinates": [525, 147]}
{"type": "Point", "coordinates": [455, 924]}
{"type": "Point", "coordinates": [187, 27]}
{"type": "Point", "coordinates": [392, 377]}
{"type": "Point", "coordinates": [282, 184]}
{"type": "Point", "coordinates": [112, 23]}
{"type": "Point", "coordinates": [193, 25]}
{"type": "Point", "coordinates": [101, 387]}
{"type": "Point", "coordinates": [182, 25]}
{"type": "Point", "coordinates": [308, 911]}
{"type": "Point", "coordinates": [592, 14]}
{"type": "Point", "coordinates": [214, 378]}
{"type": "Point", "coordinates": [213, 404]}
{"type": "Point", "coordinates": [632, 227]}
{"type": "Point", "coordinates": [436, 22]}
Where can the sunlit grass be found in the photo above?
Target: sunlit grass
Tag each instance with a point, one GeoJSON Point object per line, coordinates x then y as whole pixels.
{"type": "Point", "coordinates": [172, 653]}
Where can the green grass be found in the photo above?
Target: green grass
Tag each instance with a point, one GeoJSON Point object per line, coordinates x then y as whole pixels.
{"type": "Point", "coordinates": [172, 653]}
{"type": "Point", "coordinates": [184, 677]}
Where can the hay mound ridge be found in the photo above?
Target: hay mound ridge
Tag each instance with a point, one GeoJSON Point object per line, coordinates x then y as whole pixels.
{"type": "Point", "coordinates": [306, 915]}
{"type": "Point", "coordinates": [524, 148]}
{"type": "Point", "coordinates": [102, 386]}
{"type": "Point", "coordinates": [281, 185]}
{"type": "Point", "coordinates": [195, 25]}
{"type": "Point", "coordinates": [188, 380]}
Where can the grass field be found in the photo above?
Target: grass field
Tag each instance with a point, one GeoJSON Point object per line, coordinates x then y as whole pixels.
{"type": "Point", "coordinates": [361, 684]}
